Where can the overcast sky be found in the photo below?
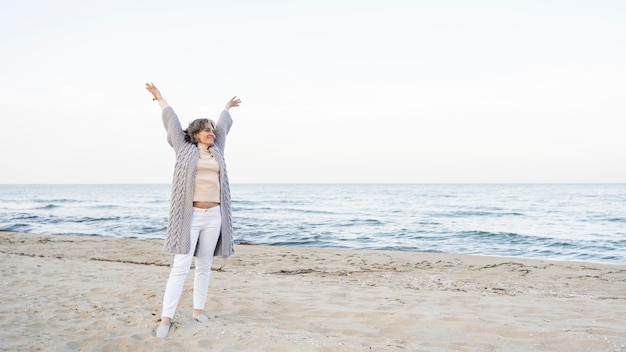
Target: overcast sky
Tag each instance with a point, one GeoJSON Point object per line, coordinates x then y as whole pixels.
{"type": "Point", "coordinates": [333, 91]}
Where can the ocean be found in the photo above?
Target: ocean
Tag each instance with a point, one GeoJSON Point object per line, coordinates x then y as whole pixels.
{"type": "Point", "coordinates": [579, 222]}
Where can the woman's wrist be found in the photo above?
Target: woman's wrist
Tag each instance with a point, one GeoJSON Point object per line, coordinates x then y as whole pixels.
{"type": "Point", "coordinates": [163, 103]}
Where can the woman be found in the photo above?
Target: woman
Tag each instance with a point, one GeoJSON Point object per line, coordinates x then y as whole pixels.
{"type": "Point", "coordinates": [200, 222]}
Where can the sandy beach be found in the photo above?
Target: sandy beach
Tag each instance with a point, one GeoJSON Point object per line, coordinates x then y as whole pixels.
{"type": "Point", "coordinates": [63, 293]}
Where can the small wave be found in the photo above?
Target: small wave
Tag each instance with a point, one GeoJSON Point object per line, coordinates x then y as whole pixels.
{"type": "Point", "coordinates": [27, 206]}
{"type": "Point", "coordinates": [479, 233]}
{"type": "Point", "coordinates": [502, 237]}
{"type": "Point", "coordinates": [23, 216]}
{"type": "Point", "coordinates": [82, 234]}
{"type": "Point", "coordinates": [276, 210]}
{"type": "Point", "coordinates": [480, 213]}
{"type": "Point", "coordinates": [105, 206]}
{"type": "Point", "coordinates": [560, 244]}
{"type": "Point", "coordinates": [157, 201]}
{"type": "Point", "coordinates": [91, 219]}
{"type": "Point", "coordinates": [613, 258]}
{"type": "Point", "coordinates": [309, 211]}
{"type": "Point", "coordinates": [354, 222]}
{"type": "Point", "coordinates": [146, 229]}
{"type": "Point", "coordinates": [616, 219]}
{"type": "Point", "coordinates": [16, 227]}
{"type": "Point", "coordinates": [58, 200]}
{"type": "Point", "coordinates": [244, 202]}
{"type": "Point", "coordinates": [52, 220]}
{"type": "Point", "coordinates": [461, 214]}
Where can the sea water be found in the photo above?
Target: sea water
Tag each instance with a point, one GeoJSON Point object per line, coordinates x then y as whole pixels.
{"type": "Point", "coordinates": [582, 222]}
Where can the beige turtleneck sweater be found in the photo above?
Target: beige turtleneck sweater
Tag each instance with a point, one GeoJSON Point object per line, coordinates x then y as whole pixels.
{"type": "Point", "coordinates": [207, 183]}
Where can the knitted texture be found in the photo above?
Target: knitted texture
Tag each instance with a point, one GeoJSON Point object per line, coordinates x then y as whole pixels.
{"type": "Point", "coordinates": [177, 237]}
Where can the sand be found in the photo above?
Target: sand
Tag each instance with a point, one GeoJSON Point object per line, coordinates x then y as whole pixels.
{"type": "Point", "coordinates": [64, 293]}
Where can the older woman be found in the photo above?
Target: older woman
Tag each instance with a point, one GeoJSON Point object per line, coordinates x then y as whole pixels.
{"type": "Point", "coordinates": [200, 221]}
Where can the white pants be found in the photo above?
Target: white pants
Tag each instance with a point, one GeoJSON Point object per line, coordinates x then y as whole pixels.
{"type": "Point", "coordinates": [205, 231]}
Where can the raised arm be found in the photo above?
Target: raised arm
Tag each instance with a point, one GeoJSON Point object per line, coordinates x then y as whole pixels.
{"type": "Point", "coordinates": [224, 123]}
{"type": "Point", "coordinates": [175, 134]}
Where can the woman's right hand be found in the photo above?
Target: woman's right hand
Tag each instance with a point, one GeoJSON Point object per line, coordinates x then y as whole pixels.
{"type": "Point", "coordinates": [155, 91]}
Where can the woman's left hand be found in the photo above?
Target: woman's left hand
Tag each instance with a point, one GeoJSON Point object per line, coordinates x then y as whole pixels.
{"type": "Point", "coordinates": [234, 101]}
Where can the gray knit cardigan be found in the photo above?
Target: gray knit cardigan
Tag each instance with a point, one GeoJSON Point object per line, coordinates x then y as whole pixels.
{"type": "Point", "coordinates": [177, 238]}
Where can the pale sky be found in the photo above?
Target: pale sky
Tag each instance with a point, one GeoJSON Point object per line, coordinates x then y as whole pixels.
{"type": "Point", "coordinates": [333, 91]}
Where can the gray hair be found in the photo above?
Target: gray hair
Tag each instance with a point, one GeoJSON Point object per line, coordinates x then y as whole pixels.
{"type": "Point", "coordinates": [196, 126]}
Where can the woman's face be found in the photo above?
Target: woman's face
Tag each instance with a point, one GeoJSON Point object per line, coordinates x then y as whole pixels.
{"type": "Point", "coordinates": [206, 135]}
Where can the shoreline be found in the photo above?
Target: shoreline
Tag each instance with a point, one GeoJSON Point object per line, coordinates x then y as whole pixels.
{"type": "Point", "coordinates": [247, 243]}
{"type": "Point", "coordinates": [99, 294]}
